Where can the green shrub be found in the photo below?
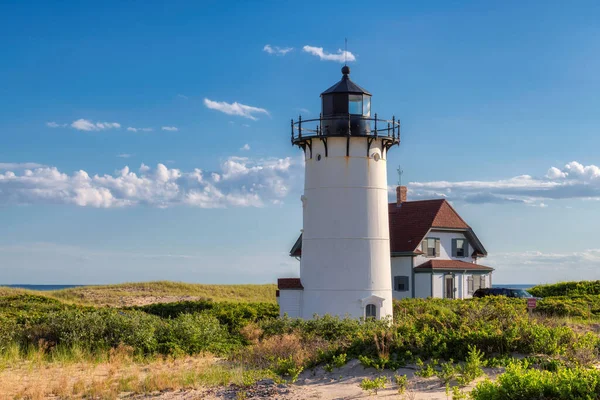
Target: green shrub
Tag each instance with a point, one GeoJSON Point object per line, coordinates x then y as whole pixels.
{"type": "Point", "coordinates": [373, 385]}
{"type": "Point", "coordinates": [336, 362]}
{"type": "Point", "coordinates": [457, 394]}
{"type": "Point", "coordinates": [401, 382]}
{"type": "Point", "coordinates": [472, 368]}
{"type": "Point", "coordinates": [194, 333]}
{"type": "Point", "coordinates": [426, 370]}
{"type": "Point", "coordinates": [232, 315]}
{"type": "Point", "coordinates": [566, 289]}
{"type": "Point", "coordinates": [521, 382]}
{"type": "Point", "coordinates": [287, 368]}
{"type": "Point", "coordinates": [446, 372]}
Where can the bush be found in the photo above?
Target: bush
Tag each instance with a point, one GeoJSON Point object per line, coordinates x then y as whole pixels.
{"type": "Point", "coordinates": [232, 315]}
{"type": "Point", "coordinates": [194, 333]}
{"type": "Point", "coordinates": [373, 385]}
{"type": "Point", "coordinates": [472, 369]}
{"type": "Point", "coordinates": [401, 382]}
{"type": "Point", "coordinates": [521, 382]}
{"type": "Point", "coordinates": [566, 289]}
{"type": "Point", "coordinates": [287, 368]}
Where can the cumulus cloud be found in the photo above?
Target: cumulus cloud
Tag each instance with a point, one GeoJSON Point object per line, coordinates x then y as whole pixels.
{"type": "Point", "coordinates": [280, 51]}
{"type": "Point", "coordinates": [55, 125]}
{"type": "Point", "coordinates": [86, 125]}
{"type": "Point", "coordinates": [241, 182]}
{"type": "Point", "coordinates": [235, 109]}
{"type": "Point", "coordinates": [170, 128]}
{"type": "Point", "coordinates": [245, 147]}
{"type": "Point", "coordinates": [340, 56]}
{"type": "Point", "coordinates": [573, 181]}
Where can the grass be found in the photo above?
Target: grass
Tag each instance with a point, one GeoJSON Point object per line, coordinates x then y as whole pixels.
{"type": "Point", "coordinates": [117, 374]}
{"type": "Point", "coordinates": [128, 294]}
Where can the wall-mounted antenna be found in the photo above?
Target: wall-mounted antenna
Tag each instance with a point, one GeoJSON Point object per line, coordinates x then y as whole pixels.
{"type": "Point", "coordinates": [400, 172]}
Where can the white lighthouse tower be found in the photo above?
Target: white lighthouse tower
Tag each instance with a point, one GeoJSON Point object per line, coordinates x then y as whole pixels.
{"type": "Point", "coordinates": [345, 265]}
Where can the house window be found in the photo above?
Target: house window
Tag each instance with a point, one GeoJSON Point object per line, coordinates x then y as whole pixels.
{"type": "Point", "coordinates": [431, 247]}
{"type": "Point", "coordinates": [370, 311]}
{"type": "Point", "coordinates": [459, 248]}
{"type": "Point", "coordinates": [401, 283]}
{"type": "Point", "coordinates": [470, 285]}
{"type": "Point", "coordinates": [482, 281]}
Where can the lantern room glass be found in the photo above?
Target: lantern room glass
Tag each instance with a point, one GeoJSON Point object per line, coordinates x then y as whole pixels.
{"type": "Point", "coordinates": [355, 104]}
{"type": "Point", "coordinates": [366, 106]}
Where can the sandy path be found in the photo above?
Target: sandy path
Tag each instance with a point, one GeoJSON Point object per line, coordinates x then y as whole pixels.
{"type": "Point", "coordinates": [343, 383]}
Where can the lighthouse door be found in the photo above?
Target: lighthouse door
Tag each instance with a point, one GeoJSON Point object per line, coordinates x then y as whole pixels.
{"type": "Point", "coordinates": [449, 293]}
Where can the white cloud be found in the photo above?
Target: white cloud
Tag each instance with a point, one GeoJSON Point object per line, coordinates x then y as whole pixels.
{"type": "Point", "coordinates": [280, 51]}
{"type": "Point", "coordinates": [340, 56]}
{"type": "Point", "coordinates": [573, 181]}
{"type": "Point", "coordinates": [235, 109]}
{"type": "Point", "coordinates": [55, 125]}
{"type": "Point", "coordinates": [182, 96]}
{"type": "Point", "coordinates": [132, 129]}
{"type": "Point", "coordinates": [124, 155]}
{"type": "Point", "coordinates": [245, 147]}
{"type": "Point", "coordinates": [240, 182]}
{"type": "Point", "coordinates": [86, 125]}
{"type": "Point", "coordinates": [170, 128]}
{"type": "Point", "coordinates": [13, 166]}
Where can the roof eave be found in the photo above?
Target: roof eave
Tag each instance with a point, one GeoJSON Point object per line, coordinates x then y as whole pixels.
{"type": "Point", "coordinates": [405, 253]}
{"type": "Point", "coordinates": [417, 270]}
{"type": "Point", "coordinates": [296, 246]}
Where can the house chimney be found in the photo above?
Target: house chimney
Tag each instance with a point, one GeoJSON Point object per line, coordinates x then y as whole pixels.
{"type": "Point", "coordinates": [401, 192]}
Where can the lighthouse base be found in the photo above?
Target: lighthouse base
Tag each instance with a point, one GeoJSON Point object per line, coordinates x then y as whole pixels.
{"type": "Point", "coordinates": [352, 304]}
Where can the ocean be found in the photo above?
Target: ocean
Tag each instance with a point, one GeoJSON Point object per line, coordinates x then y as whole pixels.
{"type": "Point", "coordinates": [515, 285]}
{"type": "Point", "coordinates": [58, 287]}
{"type": "Point", "coordinates": [42, 287]}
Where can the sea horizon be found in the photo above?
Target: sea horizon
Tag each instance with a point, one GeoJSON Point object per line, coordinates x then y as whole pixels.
{"type": "Point", "coordinates": [50, 287]}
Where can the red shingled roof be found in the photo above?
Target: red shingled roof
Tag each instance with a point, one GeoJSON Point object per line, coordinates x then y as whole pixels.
{"type": "Point", "coordinates": [452, 265]}
{"type": "Point", "coordinates": [289, 283]}
{"type": "Point", "coordinates": [410, 222]}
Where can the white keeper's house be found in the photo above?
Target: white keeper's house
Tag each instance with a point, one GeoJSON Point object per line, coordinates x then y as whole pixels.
{"type": "Point", "coordinates": [356, 251]}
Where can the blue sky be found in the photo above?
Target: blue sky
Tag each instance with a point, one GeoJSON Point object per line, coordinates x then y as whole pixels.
{"type": "Point", "coordinates": [144, 141]}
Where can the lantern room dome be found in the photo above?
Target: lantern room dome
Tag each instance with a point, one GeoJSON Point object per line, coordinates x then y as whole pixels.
{"type": "Point", "coordinates": [345, 85]}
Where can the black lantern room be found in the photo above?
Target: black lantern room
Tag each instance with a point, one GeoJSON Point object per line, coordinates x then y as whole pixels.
{"type": "Point", "coordinates": [346, 97]}
{"type": "Point", "coordinates": [345, 111]}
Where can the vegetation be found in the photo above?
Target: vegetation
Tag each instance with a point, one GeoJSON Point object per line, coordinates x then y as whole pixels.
{"type": "Point", "coordinates": [373, 385]}
{"type": "Point", "coordinates": [163, 291]}
{"type": "Point", "coordinates": [453, 340]}
{"type": "Point", "coordinates": [521, 381]}
{"type": "Point", "coordinates": [567, 289]}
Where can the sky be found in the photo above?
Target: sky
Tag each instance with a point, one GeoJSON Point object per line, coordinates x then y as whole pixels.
{"type": "Point", "coordinates": [150, 140]}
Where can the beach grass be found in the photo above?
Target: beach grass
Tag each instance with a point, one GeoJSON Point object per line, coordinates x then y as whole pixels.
{"type": "Point", "coordinates": [142, 293]}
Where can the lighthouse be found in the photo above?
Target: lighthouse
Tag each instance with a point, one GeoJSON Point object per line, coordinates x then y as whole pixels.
{"type": "Point", "coordinates": [345, 262]}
